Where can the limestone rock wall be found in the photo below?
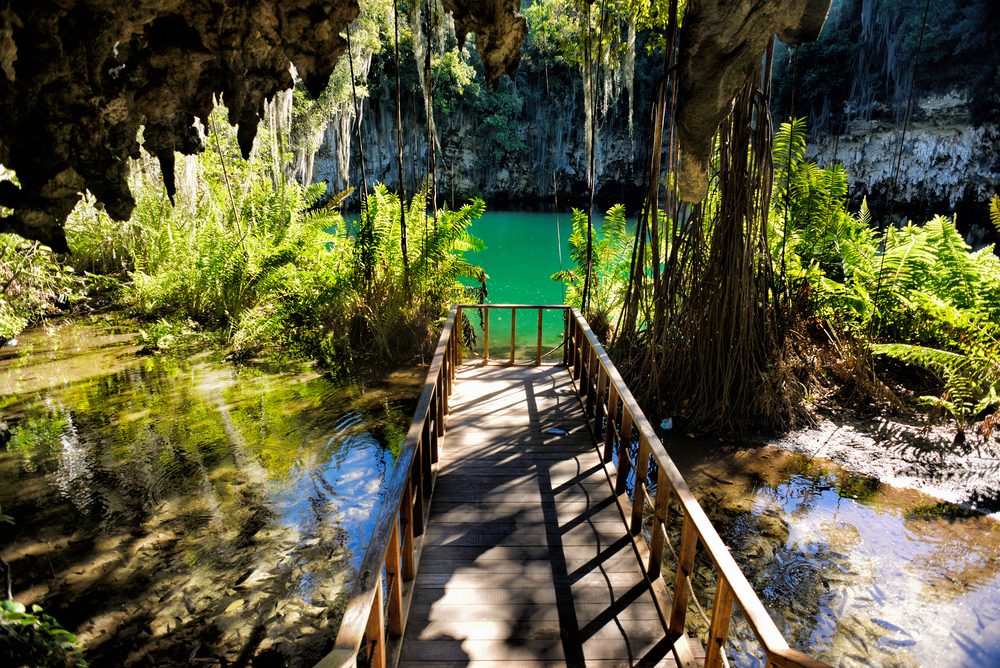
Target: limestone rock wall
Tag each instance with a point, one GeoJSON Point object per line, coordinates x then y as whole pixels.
{"type": "Point", "coordinates": [945, 159]}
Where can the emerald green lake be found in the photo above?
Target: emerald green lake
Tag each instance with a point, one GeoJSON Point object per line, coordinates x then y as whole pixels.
{"type": "Point", "coordinates": [523, 250]}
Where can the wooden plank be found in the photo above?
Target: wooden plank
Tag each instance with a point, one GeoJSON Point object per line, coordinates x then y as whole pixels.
{"type": "Point", "coordinates": [529, 568]}
{"type": "Point", "coordinates": [644, 650]}
{"type": "Point", "coordinates": [592, 614]}
{"type": "Point", "coordinates": [522, 552]}
{"type": "Point", "coordinates": [527, 629]}
{"type": "Point", "coordinates": [509, 533]}
{"type": "Point", "coordinates": [532, 663]}
{"type": "Point", "coordinates": [533, 595]}
{"type": "Point", "coordinates": [530, 579]}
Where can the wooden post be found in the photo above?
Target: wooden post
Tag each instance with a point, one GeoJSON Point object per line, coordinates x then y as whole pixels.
{"type": "Point", "coordinates": [722, 611]}
{"type": "Point", "coordinates": [427, 450]}
{"type": "Point", "coordinates": [639, 497]}
{"type": "Point", "coordinates": [575, 338]}
{"type": "Point", "coordinates": [538, 350]}
{"type": "Point", "coordinates": [513, 327]}
{"type": "Point", "coordinates": [434, 428]}
{"type": "Point", "coordinates": [609, 430]}
{"type": "Point", "coordinates": [392, 569]}
{"type": "Point", "coordinates": [456, 330]}
{"type": "Point", "coordinates": [685, 563]}
{"type": "Point", "coordinates": [565, 337]}
{"type": "Point", "coordinates": [593, 371]}
{"type": "Point", "coordinates": [441, 399]}
{"type": "Point", "coordinates": [406, 516]}
{"type": "Point", "coordinates": [602, 386]}
{"type": "Point", "coordinates": [445, 380]}
{"type": "Point", "coordinates": [375, 630]}
{"type": "Point", "coordinates": [624, 460]}
{"type": "Point", "coordinates": [662, 505]}
{"type": "Point", "coordinates": [486, 336]}
{"type": "Point", "coordinates": [416, 476]}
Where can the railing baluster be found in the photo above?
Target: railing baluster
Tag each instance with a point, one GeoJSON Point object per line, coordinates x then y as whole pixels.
{"type": "Point", "coordinates": [609, 431]}
{"type": "Point", "coordinates": [486, 336]}
{"type": "Point", "coordinates": [376, 626]}
{"type": "Point", "coordinates": [602, 386]}
{"type": "Point", "coordinates": [427, 449]}
{"type": "Point", "coordinates": [624, 461]}
{"type": "Point", "coordinates": [662, 504]}
{"type": "Point", "coordinates": [434, 429]}
{"type": "Point", "coordinates": [685, 563]}
{"type": "Point", "coordinates": [577, 353]}
{"type": "Point", "coordinates": [639, 496]}
{"type": "Point", "coordinates": [538, 350]}
{"type": "Point", "coordinates": [513, 328]}
{"type": "Point", "coordinates": [593, 371]}
{"type": "Point", "coordinates": [457, 332]}
{"type": "Point", "coordinates": [566, 337]}
{"type": "Point", "coordinates": [722, 612]}
{"type": "Point", "coordinates": [394, 625]}
{"type": "Point", "coordinates": [416, 474]}
{"type": "Point", "coordinates": [406, 517]}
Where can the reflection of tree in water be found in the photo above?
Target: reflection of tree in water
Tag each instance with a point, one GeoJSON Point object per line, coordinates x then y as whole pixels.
{"type": "Point", "coordinates": [164, 526]}
{"type": "Point", "coordinates": [821, 601]}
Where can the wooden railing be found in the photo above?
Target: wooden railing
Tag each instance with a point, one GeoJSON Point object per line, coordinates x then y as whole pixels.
{"type": "Point", "coordinates": [514, 308]}
{"type": "Point", "coordinates": [374, 620]}
{"type": "Point", "coordinates": [394, 550]}
{"type": "Point", "coordinates": [612, 405]}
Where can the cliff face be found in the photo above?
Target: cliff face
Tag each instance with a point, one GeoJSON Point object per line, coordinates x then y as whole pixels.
{"type": "Point", "coordinates": [946, 158]}
{"type": "Point", "coordinates": [474, 165]}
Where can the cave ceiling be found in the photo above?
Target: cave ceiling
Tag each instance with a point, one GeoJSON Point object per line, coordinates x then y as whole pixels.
{"type": "Point", "coordinates": [79, 78]}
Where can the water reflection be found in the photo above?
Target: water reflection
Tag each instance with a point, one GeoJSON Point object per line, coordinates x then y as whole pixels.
{"type": "Point", "coordinates": [855, 572]}
{"type": "Point", "coordinates": [173, 510]}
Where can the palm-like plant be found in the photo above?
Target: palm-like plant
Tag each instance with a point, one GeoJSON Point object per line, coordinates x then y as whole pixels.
{"type": "Point", "coordinates": [611, 255]}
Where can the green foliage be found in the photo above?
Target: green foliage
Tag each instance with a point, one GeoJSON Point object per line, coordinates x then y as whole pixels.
{"type": "Point", "coordinates": [33, 284]}
{"type": "Point", "coordinates": [498, 125]}
{"type": "Point", "coordinates": [380, 318]}
{"type": "Point", "coordinates": [611, 257]}
{"type": "Point", "coordinates": [971, 378]}
{"type": "Point", "coordinates": [34, 639]}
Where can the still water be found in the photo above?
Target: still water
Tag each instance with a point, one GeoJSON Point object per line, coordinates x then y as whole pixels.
{"type": "Point", "coordinates": [169, 510]}
{"type": "Point", "coordinates": [522, 252]}
{"type": "Point", "coordinates": [853, 571]}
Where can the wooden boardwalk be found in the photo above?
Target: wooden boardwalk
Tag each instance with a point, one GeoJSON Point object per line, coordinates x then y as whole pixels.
{"type": "Point", "coordinates": [526, 560]}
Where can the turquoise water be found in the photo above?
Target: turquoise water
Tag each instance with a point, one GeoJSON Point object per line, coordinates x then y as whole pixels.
{"type": "Point", "coordinates": [522, 252]}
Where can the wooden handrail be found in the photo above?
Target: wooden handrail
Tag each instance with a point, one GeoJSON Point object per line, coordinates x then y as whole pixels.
{"type": "Point", "coordinates": [514, 308]}
{"type": "Point", "coordinates": [601, 388]}
{"type": "Point", "coordinates": [397, 536]}
{"type": "Point", "coordinates": [396, 539]}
